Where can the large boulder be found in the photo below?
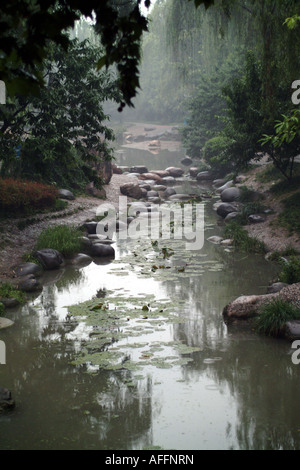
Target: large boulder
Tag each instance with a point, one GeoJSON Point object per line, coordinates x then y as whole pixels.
{"type": "Point", "coordinates": [160, 173]}
{"type": "Point", "coordinates": [175, 172]}
{"type": "Point", "coordinates": [27, 268]}
{"type": "Point", "coordinates": [204, 176]}
{"type": "Point", "coordinates": [187, 161]}
{"type": "Point", "coordinates": [224, 209]}
{"type": "Point", "coordinates": [246, 306]}
{"type": "Point", "coordinates": [169, 180]}
{"type": "Point", "coordinates": [102, 250]}
{"type": "Point", "coordinates": [131, 190]}
{"type": "Point", "coordinates": [169, 192]}
{"type": "Point", "coordinates": [227, 185]}
{"type": "Point", "coordinates": [230, 194]}
{"type": "Point", "coordinates": [49, 258]}
{"type": "Point", "coordinates": [150, 176]}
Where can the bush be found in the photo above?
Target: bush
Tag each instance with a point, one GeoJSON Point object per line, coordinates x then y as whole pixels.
{"type": "Point", "coordinates": [62, 238]}
{"type": "Point", "coordinates": [2, 309]}
{"type": "Point", "coordinates": [21, 196]}
{"type": "Point", "coordinates": [274, 315]}
{"type": "Point", "coordinates": [290, 273]}
{"type": "Point", "coordinates": [290, 216]}
{"type": "Point", "coordinates": [7, 291]}
{"type": "Point", "coordinates": [215, 154]}
{"type": "Point", "coordinates": [242, 240]}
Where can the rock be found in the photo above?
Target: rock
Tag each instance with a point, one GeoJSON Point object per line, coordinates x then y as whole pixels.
{"type": "Point", "coordinates": [217, 204]}
{"type": "Point", "coordinates": [169, 180]}
{"type": "Point", "coordinates": [160, 173]}
{"type": "Point", "coordinates": [91, 227]}
{"type": "Point", "coordinates": [136, 208]}
{"type": "Point", "coordinates": [27, 268]}
{"type": "Point", "coordinates": [256, 219]}
{"type": "Point", "coordinates": [224, 209]}
{"type": "Point", "coordinates": [28, 283]}
{"type": "Point", "coordinates": [240, 179]}
{"type": "Point", "coordinates": [204, 176]}
{"type": "Point", "coordinates": [227, 185]}
{"type": "Point", "coordinates": [219, 182]}
{"type": "Point", "coordinates": [117, 170]}
{"type": "Point", "coordinates": [154, 200]}
{"type": "Point", "coordinates": [138, 169]}
{"type": "Point", "coordinates": [81, 259]}
{"type": "Point", "coordinates": [10, 303]}
{"type": "Point", "coordinates": [276, 287]}
{"type": "Point", "coordinates": [147, 187]}
{"type": "Point", "coordinates": [187, 161]}
{"type": "Point", "coordinates": [152, 194]}
{"type": "Point", "coordinates": [102, 250]}
{"type": "Point", "coordinates": [291, 330]}
{"type": "Point", "coordinates": [154, 144]}
{"type": "Point", "coordinates": [6, 401]}
{"type": "Point", "coordinates": [175, 172]}
{"type": "Point", "coordinates": [5, 323]}
{"type": "Point", "coordinates": [215, 240]}
{"type": "Point", "coordinates": [194, 172]}
{"type": "Point", "coordinates": [85, 242]}
{"type": "Point", "coordinates": [150, 176]}
{"type": "Point", "coordinates": [131, 190]}
{"type": "Point", "coordinates": [149, 129]}
{"type": "Point", "coordinates": [144, 193]}
{"type": "Point", "coordinates": [49, 259]}
{"type": "Point", "coordinates": [230, 194]}
{"type": "Point", "coordinates": [227, 242]}
{"type": "Point", "coordinates": [231, 216]}
{"type": "Point", "coordinates": [180, 197]}
{"type": "Point", "coordinates": [246, 306]}
{"type": "Point", "coordinates": [169, 192]}
{"type": "Point", "coordinates": [159, 187]}
{"type": "Point", "coordinates": [66, 194]}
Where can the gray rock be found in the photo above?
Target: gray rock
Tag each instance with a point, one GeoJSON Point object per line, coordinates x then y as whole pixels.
{"type": "Point", "coordinates": [175, 172]}
{"type": "Point", "coordinates": [131, 190]}
{"type": "Point", "coordinates": [5, 323]}
{"type": "Point", "coordinates": [49, 259]}
{"type": "Point", "coordinates": [193, 172]}
{"type": "Point", "coordinates": [169, 192]}
{"type": "Point", "coordinates": [28, 283]}
{"type": "Point", "coordinates": [159, 187]}
{"type": "Point", "coordinates": [6, 401]}
{"type": "Point", "coordinates": [85, 242]}
{"type": "Point", "coordinates": [147, 187]}
{"type": "Point", "coordinates": [219, 182]}
{"type": "Point", "coordinates": [81, 260]}
{"type": "Point", "coordinates": [256, 219]}
{"type": "Point", "coordinates": [10, 303]}
{"type": "Point", "coordinates": [187, 161]}
{"type": "Point", "coordinates": [230, 217]}
{"type": "Point", "coordinates": [169, 180]}
{"type": "Point", "coordinates": [138, 169]}
{"type": "Point", "coordinates": [224, 209]}
{"type": "Point", "coordinates": [102, 250]}
{"type": "Point", "coordinates": [91, 227]}
{"type": "Point", "coordinates": [151, 194]}
{"type": "Point", "coordinates": [230, 194]}
{"type": "Point", "coordinates": [227, 242]}
{"type": "Point", "coordinates": [160, 173]}
{"type": "Point", "coordinates": [180, 197]}
{"type": "Point", "coordinates": [66, 194]}
{"type": "Point", "coordinates": [227, 185]}
{"type": "Point", "coordinates": [27, 268]}
{"type": "Point", "coordinates": [215, 240]}
{"type": "Point", "coordinates": [276, 287]}
{"type": "Point", "coordinates": [291, 330]}
{"type": "Point", "coordinates": [204, 176]}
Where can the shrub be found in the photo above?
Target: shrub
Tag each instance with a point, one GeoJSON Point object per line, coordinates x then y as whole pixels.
{"type": "Point", "coordinates": [7, 291]}
{"type": "Point", "coordinates": [274, 315]}
{"type": "Point", "coordinates": [290, 272]}
{"type": "Point", "coordinates": [20, 196]}
{"type": "Point", "coordinates": [2, 309]}
{"type": "Point", "coordinates": [62, 238]}
{"type": "Point", "coordinates": [242, 240]}
{"type": "Point", "coordinates": [215, 154]}
{"type": "Point", "coordinates": [290, 216]}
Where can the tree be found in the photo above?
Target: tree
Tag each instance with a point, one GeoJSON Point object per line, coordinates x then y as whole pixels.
{"type": "Point", "coordinates": [54, 137]}
{"type": "Point", "coordinates": [27, 26]}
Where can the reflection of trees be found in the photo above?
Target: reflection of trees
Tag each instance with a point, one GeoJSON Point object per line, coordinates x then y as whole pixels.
{"type": "Point", "coordinates": [161, 161]}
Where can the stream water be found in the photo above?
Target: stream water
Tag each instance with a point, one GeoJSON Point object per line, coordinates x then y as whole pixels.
{"type": "Point", "coordinates": [174, 376]}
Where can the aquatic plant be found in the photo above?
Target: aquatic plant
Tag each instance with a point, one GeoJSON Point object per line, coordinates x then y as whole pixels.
{"type": "Point", "coordinates": [63, 238]}
{"type": "Point", "coordinates": [290, 272]}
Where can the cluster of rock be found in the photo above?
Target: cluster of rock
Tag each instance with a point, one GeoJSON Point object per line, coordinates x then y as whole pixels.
{"type": "Point", "coordinates": [154, 185]}
{"type": "Point", "coordinates": [150, 134]}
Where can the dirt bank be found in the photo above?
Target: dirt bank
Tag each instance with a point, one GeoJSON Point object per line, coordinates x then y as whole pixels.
{"type": "Point", "coordinates": [15, 242]}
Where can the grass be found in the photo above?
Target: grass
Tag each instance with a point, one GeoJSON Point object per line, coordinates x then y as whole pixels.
{"type": "Point", "coordinates": [290, 273]}
{"type": "Point", "coordinates": [290, 216]}
{"type": "Point", "coordinates": [7, 291]}
{"type": "Point", "coordinates": [242, 240]}
{"type": "Point", "coordinates": [63, 238]}
{"type": "Point", "coordinates": [274, 315]}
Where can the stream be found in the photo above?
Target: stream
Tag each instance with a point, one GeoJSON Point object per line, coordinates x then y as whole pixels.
{"type": "Point", "coordinates": [165, 372]}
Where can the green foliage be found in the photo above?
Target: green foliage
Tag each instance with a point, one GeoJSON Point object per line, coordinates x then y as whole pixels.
{"type": "Point", "coordinates": [242, 240]}
{"type": "Point", "coordinates": [2, 309]}
{"type": "Point", "coordinates": [274, 315]}
{"type": "Point", "coordinates": [61, 135]}
{"type": "Point", "coordinates": [290, 216]}
{"type": "Point", "coordinates": [62, 238]}
{"type": "Point", "coordinates": [215, 153]}
{"type": "Point", "coordinates": [290, 272]}
{"type": "Point", "coordinates": [21, 196]}
{"type": "Point", "coordinates": [7, 291]}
